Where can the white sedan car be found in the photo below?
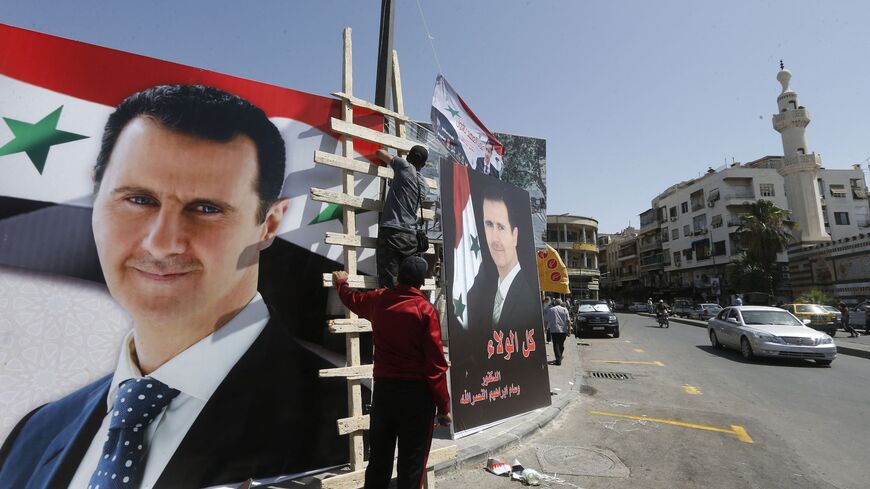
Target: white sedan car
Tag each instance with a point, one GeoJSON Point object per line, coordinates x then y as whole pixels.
{"type": "Point", "coordinates": [770, 332]}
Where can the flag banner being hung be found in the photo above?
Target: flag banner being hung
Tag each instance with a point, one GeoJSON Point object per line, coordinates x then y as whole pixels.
{"type": "Point", "coordinates": [467, 139]}
{"type": "Point", "coordinates": [552, 272]}
{"type": "Point", "coordinates": [55, 97]}
{"type": "Point", "coordinates": [497, 348]}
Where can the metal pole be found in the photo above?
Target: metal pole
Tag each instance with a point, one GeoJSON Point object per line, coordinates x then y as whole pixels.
{"type": "Point", "coordinates": [383, 92]}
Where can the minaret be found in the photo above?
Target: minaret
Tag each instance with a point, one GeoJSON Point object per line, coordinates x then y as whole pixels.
{"type": "Point", "coordinates": [800, 166]}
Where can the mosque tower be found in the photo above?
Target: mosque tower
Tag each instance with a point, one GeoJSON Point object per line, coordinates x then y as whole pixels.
{"type": "Point", "coordinates": [800, 166]}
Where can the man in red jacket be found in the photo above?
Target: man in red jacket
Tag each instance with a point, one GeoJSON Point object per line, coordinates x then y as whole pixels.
{"type": "Point", "coordinates": [410, 374]}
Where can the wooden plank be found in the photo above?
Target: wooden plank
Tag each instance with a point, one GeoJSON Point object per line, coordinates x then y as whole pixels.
{"type": "Point", "coordinates": [358, 102]}
{"type": "Point", "coordinates": [354, 388]}
{"type": "Point", "coordinates": [371, 135]}
{"type": "Point", "coordinates": [356, 423]}
{"type": "Point", "coordinates": [359, 166]}
{"type": "Point", "coordinates": [352, 201]}
{"type": "Point", "coordinates": [398, 101]}
{"type": "Point", "coordinates": [356, 479]}
{"type": "Point", "coordinates": [356, 202]}
{"type": "Point", "coordinates": [357, 372]}
{"type": "Point", "coordinates": [369, 282]}
{"type": "Point", "coordinates": [347, 325]}
{"type": "Point", "coordinates": [360, 241]}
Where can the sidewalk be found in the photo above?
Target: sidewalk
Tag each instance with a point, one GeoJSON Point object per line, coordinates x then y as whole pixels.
{"type": "Point", "coordinates": [474, 450]}
{"type": "Point", "coordinates": [854, 347]}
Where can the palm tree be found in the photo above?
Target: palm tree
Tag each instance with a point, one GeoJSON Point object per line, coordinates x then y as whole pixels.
{"type": "Point", "coordinates": [765, 232]}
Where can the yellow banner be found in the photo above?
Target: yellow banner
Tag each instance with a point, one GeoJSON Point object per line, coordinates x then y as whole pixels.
{"type": "Point", "coordinates": [552, 273]}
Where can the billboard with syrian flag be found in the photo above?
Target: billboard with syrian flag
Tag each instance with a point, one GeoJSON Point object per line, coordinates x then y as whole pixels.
{"type": "Point", "coordinates": [496, 336]}
{"type": "Point", "coordinates": [55, 97]}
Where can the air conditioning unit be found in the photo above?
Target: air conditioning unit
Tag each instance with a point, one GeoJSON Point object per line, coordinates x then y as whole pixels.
{"type": "Point", "coordinates": [673, 218]}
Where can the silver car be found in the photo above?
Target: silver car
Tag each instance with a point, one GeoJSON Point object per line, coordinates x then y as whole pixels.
{"type": "Point", "coordinates": [769, 332]}
{"type": "Point", "coordinates": [704, 312]}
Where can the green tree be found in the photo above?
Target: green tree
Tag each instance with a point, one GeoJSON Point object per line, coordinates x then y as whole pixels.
{"type": "Point", "coordinates": [815, 296]}
{"type": "Point", "coordinates": [764, 232]}
{"type": "Point", "coordinates": [523, 161]}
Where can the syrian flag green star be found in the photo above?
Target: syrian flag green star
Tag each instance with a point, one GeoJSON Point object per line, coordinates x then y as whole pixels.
{"type": "Point", "coordinates": [466, 252]}
{"type": "Point", "coordinates": [36, 139]}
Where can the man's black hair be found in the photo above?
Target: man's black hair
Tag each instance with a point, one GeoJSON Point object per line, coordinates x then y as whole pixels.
{"type": "Point", "coordinates": [493, 194]}
{"type": "Point", "coordinates": [207, 113]}
{"type": "Point", "coordinates": [418, 156]}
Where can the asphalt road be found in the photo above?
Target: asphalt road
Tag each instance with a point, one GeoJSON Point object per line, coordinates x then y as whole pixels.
{"type": "Point", "coordinates": [692, 416]}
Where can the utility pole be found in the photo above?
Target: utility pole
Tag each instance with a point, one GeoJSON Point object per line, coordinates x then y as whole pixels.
{"type": "Point", "coordinates": [383, 92]}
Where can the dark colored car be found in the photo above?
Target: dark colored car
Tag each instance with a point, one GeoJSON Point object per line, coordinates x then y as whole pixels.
{"type": "Point", "coordinates": [595, 317]}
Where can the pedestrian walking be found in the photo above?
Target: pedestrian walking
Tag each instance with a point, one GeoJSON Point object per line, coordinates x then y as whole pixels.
{"type": "Point", "coordinates": [548, 303]}
{"type": "Point", "coordinates": [559, 324]}
{"type": "Point", "coordinates": [844, 311]}
{"type": "Point", "coordinates": [410, 380]}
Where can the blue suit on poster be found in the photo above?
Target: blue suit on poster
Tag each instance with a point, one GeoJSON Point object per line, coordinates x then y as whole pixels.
{"type": "Point", "coordinates": [270, 416]}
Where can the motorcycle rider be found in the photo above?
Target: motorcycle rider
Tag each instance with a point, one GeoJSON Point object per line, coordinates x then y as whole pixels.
{"type": "Point", "coordinates": [662, 309]}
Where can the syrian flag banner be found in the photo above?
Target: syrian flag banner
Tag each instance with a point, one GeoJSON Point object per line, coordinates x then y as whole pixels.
{"type": "Point", "coordinates": [55, 97]}
{"type": "Point", "coordinates": [467, 139]}
{"type": "Point", "coordinates": [466, 250]}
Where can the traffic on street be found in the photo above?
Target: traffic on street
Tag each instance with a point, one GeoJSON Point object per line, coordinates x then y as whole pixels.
{"type": "Point", "coordinates": [663, 408]}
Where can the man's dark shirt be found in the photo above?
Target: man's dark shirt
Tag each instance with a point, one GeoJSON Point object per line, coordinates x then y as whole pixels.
{"type": "Point", "coordinates": [406, 191]}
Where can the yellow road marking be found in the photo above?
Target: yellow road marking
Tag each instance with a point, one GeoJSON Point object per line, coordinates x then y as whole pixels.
{"type": "Point", "coordinates": [627, 341]}
{"type": "Point", "coordinates": [639, 350]}
{"type": "Point", "coordinates": [692, 390]}
{"type": "Point", "coordinates": [736, 430]}
{"type": "Point", "coordinates": [660, 364]}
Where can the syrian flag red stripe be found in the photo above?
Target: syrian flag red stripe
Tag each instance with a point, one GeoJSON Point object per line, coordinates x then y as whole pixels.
{"type": "Point", "coordinates": [110, 75]}
{"type": "Point", "coordinates": [461, 194]}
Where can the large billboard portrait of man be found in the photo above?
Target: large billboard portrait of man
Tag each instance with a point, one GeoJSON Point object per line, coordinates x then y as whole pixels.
{"type": "Point", "coordinates": [498, 362]}
{"type": "Point", "coordinates": [188, 194]}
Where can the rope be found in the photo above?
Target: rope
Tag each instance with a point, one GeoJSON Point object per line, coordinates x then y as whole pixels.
{"type": "Point", "coordinates": [429, 35]}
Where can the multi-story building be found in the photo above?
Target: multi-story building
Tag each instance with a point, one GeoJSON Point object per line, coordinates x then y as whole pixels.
{"type": "Point", "coordinates": [845, 208]}
{"type": "Point", "coordinates": [576, 240]}
{"type": "Point", "coordinates": [699, 221]}
{"type": "Point", "coordinates": [623, 263]}
{"type": "Point", "coordinates": [649, 246]}
{"type": "Point", "coordinates": [603, 265]}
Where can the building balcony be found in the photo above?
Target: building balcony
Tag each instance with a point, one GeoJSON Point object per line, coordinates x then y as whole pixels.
{"type": "Point", "coordinates": [791, 118]}
{"type": "Point", "coordinates": [650, 246]}
{"type": "Point", "coordinates": [574, 246]}
{"type": "Point", "coordinates": [583, 272]}
{"type": "Point", "coordinates": [628, 256]}
{"type": "Point", "coordinates": [738, 198]}
{"type": "Point", "coordinates": [647, 227]}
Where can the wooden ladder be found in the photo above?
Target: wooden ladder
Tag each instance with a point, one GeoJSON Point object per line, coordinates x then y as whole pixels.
{"type": "Point", "coordinates": [351, 326]}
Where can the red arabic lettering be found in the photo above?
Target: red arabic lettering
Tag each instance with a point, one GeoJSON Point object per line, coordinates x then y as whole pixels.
{"type": "Point", "coordinates": [513, 344]}
{"type": "Point", "coordinates": [529, 344]}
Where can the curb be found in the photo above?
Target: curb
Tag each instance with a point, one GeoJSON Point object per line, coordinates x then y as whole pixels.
{"type": "Point", "coordinates": [480, 452]}
{"type": "Point", "coordinates": [841, 350]}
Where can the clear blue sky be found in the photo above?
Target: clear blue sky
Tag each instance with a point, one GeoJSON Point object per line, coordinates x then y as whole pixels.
{"type": "Point", "coordinates": [631, 96]}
